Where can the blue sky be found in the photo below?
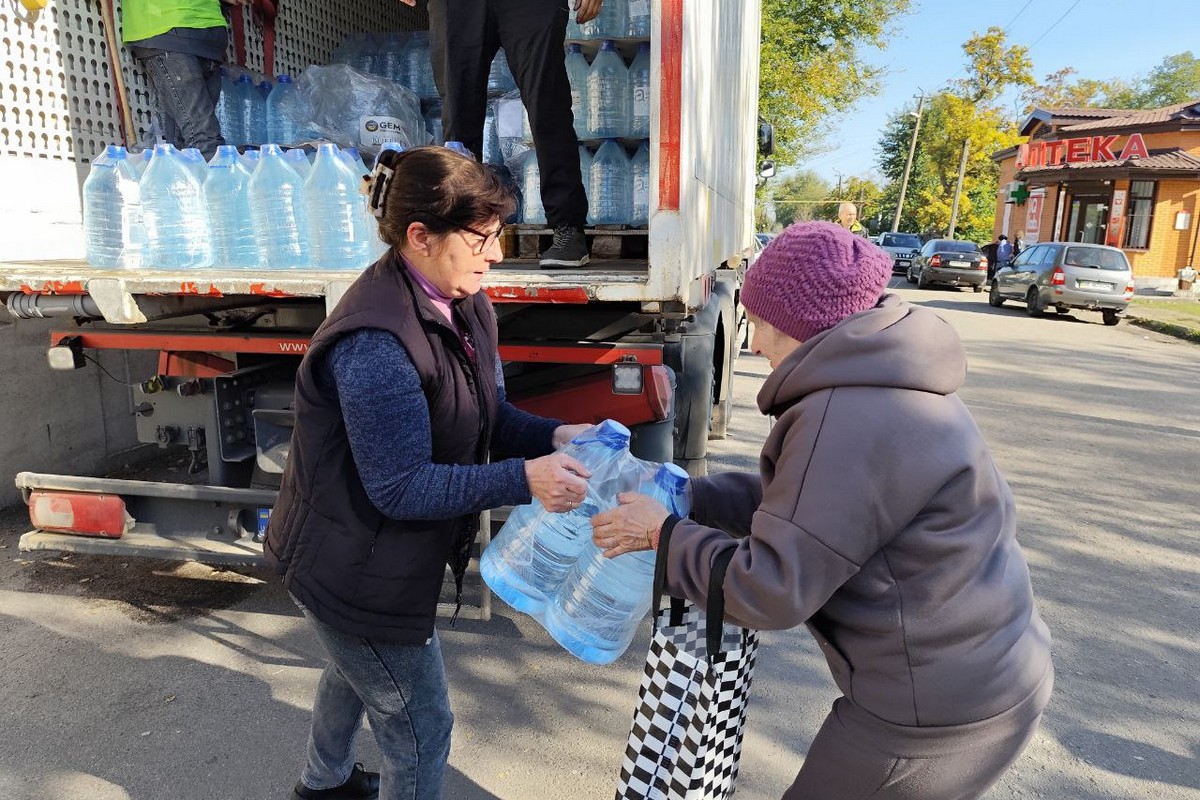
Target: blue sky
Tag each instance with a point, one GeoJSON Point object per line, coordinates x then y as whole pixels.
{"type": "Point", "coordinates": [1100, 38]}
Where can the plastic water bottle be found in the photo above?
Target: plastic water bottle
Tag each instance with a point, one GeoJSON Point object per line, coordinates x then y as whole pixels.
{"type": "Point", "coordinates": [534, 550]}
{"type": "Point", "coordinates": [196, 163]}
{"type": "Point", "coordinates": [252, 112]}
{"type": "Point", "coordinates": [611, 23]}
{"type": "Point", "coordinates": [174, 212]}
{"type": "Point", "coordinates": [577, 74]}
{"type": "Point", "coordinates": [395, 147]}
{"type": "Point", "coordinates": [419, 67]}
{"type": "Point", "coordinates": [639, 19]}
{"type": "Point", "coordinates": [280, 128]}
{"type": "Point", "coordinates": [391, 59]}
{"type": "Point", "coordinates": [113, 232]}
{"type": "Point", "coordinates": [298, 160]}
{"type": "Point", "coordinates": [139, 160]}
{"type": "Point", "coordinates": [640, 175]}
{"type": "Point", "coordinates": [433, 123]}
{"type": "Point", "coordinates": [532, 210]}
{"type": "Point", "coordinates": [603, 600]}
{"type": "Point", "coordinates": [353, 161]}
{"type": "Point", "coordinates": [460, 148]}
{"type": "Point", "coordinates": [337, 227]}
{"type": "Point", "coordinates": [612, 185]}
{"type": "Point", "coordinates": [585, 169]}
{"type": "Point", "coordinates": [227, 196]}
{"type": "Point", "coordinates": [277, 210]}
{"type": "Point", "coordinates": [228, 114]}
{"type": "Point", "coordinates": [608, 94]}
{"type": "Point", "coordinates": [500, 77]}
{"type": "Point", "coordinates": [369, 59]}
{"type": "Point", "coordinates": [639, 88]}
{"type": "Point", "coordinates": [574, 29]}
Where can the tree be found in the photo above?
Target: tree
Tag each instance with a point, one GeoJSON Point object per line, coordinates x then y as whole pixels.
{"type": "Point", "coordinates": [797, 198]}
{"type": "Point", "coordinates": [1175, 80]}
{"type": "Point", "coordinates": [1062, 90]}
{"type": "Point", "coordinates": [811, 67]}
{"type": "Point", "coordinates": [891, 155]}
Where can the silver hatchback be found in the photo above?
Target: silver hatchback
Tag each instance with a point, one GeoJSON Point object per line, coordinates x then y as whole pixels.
{"type": "Point", "coordinates": [1064, 276]}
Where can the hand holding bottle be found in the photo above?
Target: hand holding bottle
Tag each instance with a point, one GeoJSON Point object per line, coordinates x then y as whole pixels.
{"type": "Point", "coordinates": [631, 526]}
{"type": "Point", "coordinates": [558, 481]}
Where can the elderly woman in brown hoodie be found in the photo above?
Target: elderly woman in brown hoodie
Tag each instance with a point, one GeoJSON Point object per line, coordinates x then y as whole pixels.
{"type": "Point", "coordinates": [879, 520]}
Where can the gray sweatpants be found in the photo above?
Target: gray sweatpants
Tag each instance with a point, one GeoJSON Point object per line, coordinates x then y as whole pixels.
{"type": "Point", "coordinates": [845, 764]}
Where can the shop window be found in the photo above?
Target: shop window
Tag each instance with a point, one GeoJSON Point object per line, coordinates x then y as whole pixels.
{"type": "Point", "coordinates": [1139, 215]}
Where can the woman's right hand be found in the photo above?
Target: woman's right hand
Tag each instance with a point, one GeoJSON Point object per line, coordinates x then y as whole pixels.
{"type": "Point", "coordinates": [557, 480]}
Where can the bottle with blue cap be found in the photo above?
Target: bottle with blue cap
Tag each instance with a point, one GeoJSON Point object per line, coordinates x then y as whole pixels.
{"type": "Point", "coordinates": [535, 549]}
{"type": "Point", "coordinates": [196, 163]}
{"type": "Point", "coordinates": [280, 127]}
{"type": "Point", "coordinates": [113, 233]}
{"type": "Point", "coordinates": [250, 160]}
{"type": "Point", "coordinates": [640, 177]}
{"type": "Point", "coordinates": [639, 87]}
{"type": "Point", "coordinates": [395, 147]}
{"type": "Point", "coordinates": [611, 23]}
{"type": "Point", "coordinates": [337, 226]}
{"type": "Point", "coordinates": [611, 185]}
{"type": "Point", "coordinates": [298, 160]}
{"type": "Point", "coordinates": [227, 196]}
{"type": "Point", "coordinates": [460, 148]}
{"type": "Point", "coordinates": [277, 210]}
{"type": "Point", "coordinates": [609, 96]}
{"type": "Point", "coordinates": [596, 613]}
{"type": "Point", "coordinates": [577, 75]}
{"type": "Point", "coordinates": [177, 233]}
{"type": "Point", "coordinates": [228, 115]}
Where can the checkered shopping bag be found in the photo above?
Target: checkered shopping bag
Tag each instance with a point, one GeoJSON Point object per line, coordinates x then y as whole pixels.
{"type": "Point", "coordinates": [686, 739]}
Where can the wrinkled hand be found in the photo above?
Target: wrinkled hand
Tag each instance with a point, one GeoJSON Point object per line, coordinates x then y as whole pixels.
{"type": "Point", "coordinates": [630, 526]}
{"type": "Point", "coordinates": [563, 434]}
{"type": "Point", "coordinates": [587, 10]}
{"type": "Point", "coordinates": [557, 480]}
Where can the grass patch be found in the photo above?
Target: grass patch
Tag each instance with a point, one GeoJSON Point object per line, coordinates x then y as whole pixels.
{"type": "Point", "coordinates": [1187, 308]}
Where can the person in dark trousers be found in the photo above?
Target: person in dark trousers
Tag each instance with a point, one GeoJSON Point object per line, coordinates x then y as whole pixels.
{"type": "Point", "coordinates": [181, 45]}
{"type": "Point", "coordinates": [878, 519]}
{"type": "Point", "coordinates": [464, 38]}
{"type": "Point", "coordinates": [399, 401]}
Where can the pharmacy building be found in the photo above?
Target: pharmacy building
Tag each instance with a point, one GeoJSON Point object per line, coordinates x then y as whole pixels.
{"type": "Point", "coordinates": [1125, 178]}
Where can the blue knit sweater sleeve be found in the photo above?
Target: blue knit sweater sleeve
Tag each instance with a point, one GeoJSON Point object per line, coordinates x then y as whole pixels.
{"type": "Point", "coordinates": [519, 432]}
{"type": "Point", "coordinates": [387, 422]}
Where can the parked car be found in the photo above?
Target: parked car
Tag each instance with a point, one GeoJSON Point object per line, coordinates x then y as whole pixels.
{"type": "Point", "coordinates": [950, 261]}
{"type": "Point", "coordinates": [1067, 275]}
{"type": "Point", "coordinates": [902, 247]}
{"type": "Point", "coordinates": [763, 239]}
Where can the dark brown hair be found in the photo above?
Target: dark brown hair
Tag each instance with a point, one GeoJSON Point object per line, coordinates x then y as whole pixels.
{"type": "Point", "coordinates": [431, 185]}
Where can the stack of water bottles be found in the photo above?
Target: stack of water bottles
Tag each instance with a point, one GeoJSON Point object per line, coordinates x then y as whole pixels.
{"type": "Point", "coordinates": [263, 209]}
{"type": "Point", "coordinates": [546, 565]}
{"type": "Point", "coordinates": [618, 19]}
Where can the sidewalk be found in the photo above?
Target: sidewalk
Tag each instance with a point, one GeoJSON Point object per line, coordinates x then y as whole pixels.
{"type": "Point", "coordinates": [1178, 317]}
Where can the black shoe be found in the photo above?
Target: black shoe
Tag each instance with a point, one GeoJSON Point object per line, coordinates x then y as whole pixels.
{"type": "Point", "coordinates": [569, 249]}
{"type": "Point", "coordinates": [361, 785]}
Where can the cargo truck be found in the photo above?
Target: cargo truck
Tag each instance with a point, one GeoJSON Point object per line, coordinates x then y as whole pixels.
{"type": "Point", "coordinates": [647, 333]}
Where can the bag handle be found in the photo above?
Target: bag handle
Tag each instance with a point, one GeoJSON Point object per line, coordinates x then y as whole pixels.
{"type": "Point", "coordinates": [714, 613]}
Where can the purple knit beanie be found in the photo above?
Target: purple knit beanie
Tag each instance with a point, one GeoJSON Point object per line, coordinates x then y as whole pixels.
{"type": "Point", "coordinates": [814, 275]}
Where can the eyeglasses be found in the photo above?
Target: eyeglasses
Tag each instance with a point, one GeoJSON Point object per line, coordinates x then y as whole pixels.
{"type": "Point", "coordinates": [486, 240]}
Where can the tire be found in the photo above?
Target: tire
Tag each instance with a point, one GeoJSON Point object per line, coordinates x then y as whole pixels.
{"type": "Point", "coordinates": [1110, 317]}
{"type": "Point", "coordinates": [994, 298]}
{"type": "Point", "coordinates": [921, 282]}
{"type": "Point", "coordinates": [977, 288]}
{"type": "Point", "coordinates": [1061, 311]}
{"type": "Point", "coordinates": [908, 276]}
{"type": "Point", "coordinates": [1033, 302]}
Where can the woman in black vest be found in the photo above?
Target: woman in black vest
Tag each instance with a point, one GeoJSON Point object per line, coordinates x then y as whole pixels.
{"type": "Point", "coordinates": [399, 400]}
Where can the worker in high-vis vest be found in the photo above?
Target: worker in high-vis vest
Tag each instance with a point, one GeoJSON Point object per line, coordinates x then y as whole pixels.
{"type": "Point", "coordinates": [848, 219]}
{"type": "Point", "coordinates": [181, 44]}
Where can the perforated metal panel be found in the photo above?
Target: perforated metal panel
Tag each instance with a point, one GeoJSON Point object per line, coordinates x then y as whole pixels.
{"type": "Point", "coordinates": [57, 99]}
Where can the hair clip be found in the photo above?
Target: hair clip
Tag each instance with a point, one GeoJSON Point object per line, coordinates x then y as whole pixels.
{"type": "Point", "coordinates": [377, 188]}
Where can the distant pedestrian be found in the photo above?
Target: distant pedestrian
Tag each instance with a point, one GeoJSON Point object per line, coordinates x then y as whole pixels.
{"type": "Point", "coordinates": [880, 520]}
{"type": "Point", "coordinates": [1004, 251]}
{"type": "Point", "coordinates": [848, 219]}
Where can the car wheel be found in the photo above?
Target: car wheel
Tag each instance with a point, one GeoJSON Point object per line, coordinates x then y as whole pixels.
{"type": "Point", "coordinates": [1110, 317]}
{"type": "Point", "coordinates": [1033, 302]}
{"type": "Point", "coordinates": [922, 283]}
{"type": "Point", "coordinates": [994, 298]}
{"type": "Point", "coordinates": [908, 276]}
{"type": "Point", "coordinates": [977, 288]}
{"type": "Point", "coordinates": [1060, 310]}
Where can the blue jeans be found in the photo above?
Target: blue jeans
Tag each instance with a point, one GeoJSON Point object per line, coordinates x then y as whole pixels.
{"type": "Point", "coordinates": [402, 689]}
{"type": "Point", "coordinates": [186, 90]}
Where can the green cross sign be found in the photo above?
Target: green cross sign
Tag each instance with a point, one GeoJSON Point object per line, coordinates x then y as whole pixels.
{"type": "Point", "coordinates": [1019, 195]}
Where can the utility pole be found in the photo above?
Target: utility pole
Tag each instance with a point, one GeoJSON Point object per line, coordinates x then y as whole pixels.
{"type": "Point", "coordinates": [912, 151]}
{"type": "Point", "coordinates": [962, 171]}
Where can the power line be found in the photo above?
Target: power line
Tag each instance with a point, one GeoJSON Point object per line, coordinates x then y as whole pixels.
{"type": "Point", "coordinates": [1019, 13]}
{"type": "Point", "coordinates": [1055, 24]}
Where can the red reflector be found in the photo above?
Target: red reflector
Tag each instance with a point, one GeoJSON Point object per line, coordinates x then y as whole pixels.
{"type": "Point", "coordinates": [1058, 278]}
{"type": "Point", "coordinates": [936, 261]}
{"type": "Point", "coordinates": [983, 262]}
{"type": "Point", "coordinates": [78, 512]}
{"type": "Point", "coordinates": [659, 390]}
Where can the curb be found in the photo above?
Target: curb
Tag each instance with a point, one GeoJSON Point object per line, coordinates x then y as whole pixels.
{"type": "Point", "coordinates": [1168, 328]}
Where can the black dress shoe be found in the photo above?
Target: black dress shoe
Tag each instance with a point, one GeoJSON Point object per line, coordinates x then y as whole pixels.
{"type": "Point", "coordinates": [361, 785]}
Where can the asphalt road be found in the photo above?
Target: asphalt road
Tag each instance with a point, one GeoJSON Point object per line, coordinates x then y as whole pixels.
{"type": "Point", "coordinates": [163, 681]}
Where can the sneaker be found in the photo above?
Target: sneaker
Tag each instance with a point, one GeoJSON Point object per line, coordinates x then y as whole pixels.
{"type": "Point", "coordinates": [361, 785]}
{"type": "Point", "coordinates": [569, 249]}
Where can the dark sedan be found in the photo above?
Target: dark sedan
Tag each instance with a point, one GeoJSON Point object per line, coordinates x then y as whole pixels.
{"type": "Point", "coordinates": [949, 261]}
